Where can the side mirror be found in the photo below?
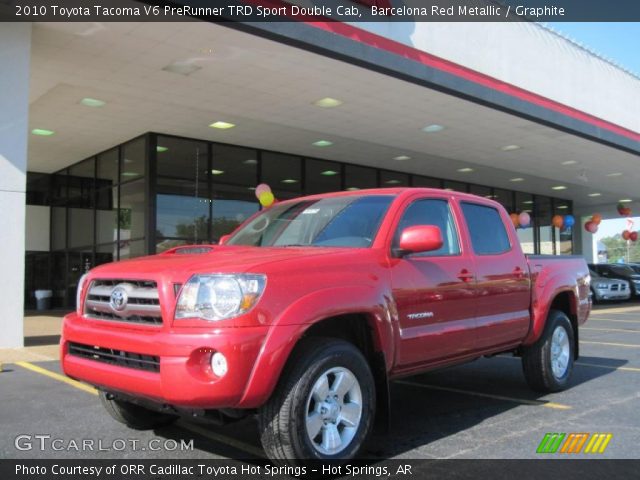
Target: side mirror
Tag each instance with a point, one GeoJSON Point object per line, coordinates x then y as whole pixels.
{"type": "Point", "coordinates": [223, 239]}
{"type": "Point", "coordinates": [420, 238]}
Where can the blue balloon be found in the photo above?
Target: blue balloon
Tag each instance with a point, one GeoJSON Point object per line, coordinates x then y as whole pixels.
{"type": "Point", "coordinates": [569, 221]}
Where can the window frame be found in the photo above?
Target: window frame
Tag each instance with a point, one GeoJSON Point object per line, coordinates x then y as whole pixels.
{"type": "Point", "coordinates": [502, 222]}
{"type": "Point", "coordinates": [393, 247]}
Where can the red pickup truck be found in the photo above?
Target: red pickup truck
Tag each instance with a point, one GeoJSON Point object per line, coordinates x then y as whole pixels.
{"type": "Point", "coordinates": [306, 312]}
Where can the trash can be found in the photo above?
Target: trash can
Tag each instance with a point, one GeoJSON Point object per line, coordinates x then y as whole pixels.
{"type": "Point", "coordinates": [43, 299]}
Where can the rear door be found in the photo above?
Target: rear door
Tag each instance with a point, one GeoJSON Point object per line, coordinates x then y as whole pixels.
{"type": "Point", "coordinates": [434, 291]}
{"type": "Point", "coordinates": [502, 276]}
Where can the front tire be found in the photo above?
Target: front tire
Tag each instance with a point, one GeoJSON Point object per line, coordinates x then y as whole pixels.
{"type": "Point", "coordinates": [548, 363]}
{"type": "Point", "coordinates": [132, 415]}
{"type": "Point", "coordinates": [323, 407]}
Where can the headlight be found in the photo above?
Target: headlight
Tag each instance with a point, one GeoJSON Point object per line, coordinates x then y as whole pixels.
{"type": "Point", "coordinates": [601, 285]}
{"type": "Point", "coordinates": [219, 296]}
{"type": "Point", "coordinates": [81, 283]}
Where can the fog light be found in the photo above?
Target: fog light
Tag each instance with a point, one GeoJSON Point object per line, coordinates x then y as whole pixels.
{"type": "Point", "coordinates": [219, 364]}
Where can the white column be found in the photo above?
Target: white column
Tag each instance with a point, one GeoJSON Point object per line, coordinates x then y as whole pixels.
{"type": "Point", "coordinates": [15, 51]}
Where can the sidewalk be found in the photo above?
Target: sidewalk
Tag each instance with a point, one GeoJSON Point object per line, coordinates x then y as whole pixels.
{"type": "Point", "coordinates": [41, 337]}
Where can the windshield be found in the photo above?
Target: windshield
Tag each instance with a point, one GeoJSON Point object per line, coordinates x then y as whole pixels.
{"type": "Point", "coordinates": [622, 270]}
{"type": "Point", "coordinates": [350, 221]}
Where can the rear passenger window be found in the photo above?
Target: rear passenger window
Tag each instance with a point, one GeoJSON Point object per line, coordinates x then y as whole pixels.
{"type": "Point", "coordinates": [488, 235]}
{"type": "Point", "coordinates": [431, 212]}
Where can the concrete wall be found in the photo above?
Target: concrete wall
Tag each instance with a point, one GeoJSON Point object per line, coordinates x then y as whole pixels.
{"type": "Point", "coordinates": [15, 45]}
{"type": "Point", "coordinates": [37, 231]}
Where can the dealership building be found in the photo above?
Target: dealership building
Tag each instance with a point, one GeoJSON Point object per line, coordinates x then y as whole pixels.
{"type": "Point", "coordinates": [125, 139]}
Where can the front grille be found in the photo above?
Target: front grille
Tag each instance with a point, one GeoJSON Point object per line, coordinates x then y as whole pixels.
{"type": "Point", "coordinates": [112, 356]}
{"type": "Point", "coordinates": [142, 303]}
{"type": "Point", "coordinates": [614, 287]}
{"type": "Point", "coordinates": [623, 287]}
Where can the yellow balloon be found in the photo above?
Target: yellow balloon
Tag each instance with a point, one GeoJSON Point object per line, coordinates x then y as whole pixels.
{"type": "Point", "coordinates": [266, 199]}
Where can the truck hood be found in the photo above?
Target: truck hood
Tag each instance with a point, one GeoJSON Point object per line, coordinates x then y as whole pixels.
{"type": "Point", "coordinates": [220, 259]}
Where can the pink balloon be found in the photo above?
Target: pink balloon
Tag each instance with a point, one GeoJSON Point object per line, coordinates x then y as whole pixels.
{"type": "Point", "coordinates": [262, 188]}
{"type": "Point", "coordinates": [591, 227]}
{"type": "Point", "coordinates": [525, 219]}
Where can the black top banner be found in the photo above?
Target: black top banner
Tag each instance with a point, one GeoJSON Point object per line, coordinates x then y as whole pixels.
{"type": "Point", "coordinates": [321, 10]}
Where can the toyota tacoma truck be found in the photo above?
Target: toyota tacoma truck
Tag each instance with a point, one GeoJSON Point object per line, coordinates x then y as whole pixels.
{"type": "Point", "coordinates": [305, 313]}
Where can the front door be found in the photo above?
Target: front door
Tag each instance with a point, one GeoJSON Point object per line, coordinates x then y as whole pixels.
{"type": "Point", "coordinates": [434, 291]}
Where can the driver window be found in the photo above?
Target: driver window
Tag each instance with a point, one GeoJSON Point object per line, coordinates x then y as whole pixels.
{"type": "Point", "coordinates": [431, 212]}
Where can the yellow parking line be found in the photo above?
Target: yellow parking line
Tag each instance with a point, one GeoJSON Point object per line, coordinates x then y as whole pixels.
{"type": "Point", "coordinates": [611, 344]}
{"type": "Point", "coordinates": [537, 403]}
{"type": "Point", "coordinates": [637, 322]}
{"type": "Point", "coordinates": [608, 367]}
{"type": "Point", "coordinates": [625, 330]}
{"type": "Point", "coordinates": [57, 376]}
{"type": "Point", "coordinates": [237, 444]}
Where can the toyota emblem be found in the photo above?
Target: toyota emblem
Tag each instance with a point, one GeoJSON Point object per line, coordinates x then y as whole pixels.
{"type": "Point", "coordinates": [118, 300]}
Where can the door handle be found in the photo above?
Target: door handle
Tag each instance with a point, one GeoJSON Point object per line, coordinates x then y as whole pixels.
{"type": "Point", "coordinates": [518, 273]}
{"type": "Point", "coordinates": [465, 275]}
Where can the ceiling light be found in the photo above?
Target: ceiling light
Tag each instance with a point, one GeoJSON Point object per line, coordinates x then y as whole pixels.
{"type": "Point", "coordinates": [433, 128]}
{"type": "Point", "coordinates": [130, 174]}
{"type": "Point", "coordinates": [329, 173]}
{"type": "Point", "coordinates": [182, 68]}
{"type": "Point", "coordinates": [92, 102]}
{"type": "Point", "coordinates": [528, 202]}
{"type": "Point", "coordinates": [465, 170]}
{"type": "Point", "coordinates": [289, 180]}
{"type": "Point", "coordinates": [625, 200]}
{"type": "Point", "coordinates": [617, 174]}
{"type": "Point", "coordinates": [217, 172]}
{"type": "Point", "coordinates": [251, 188]}
{"type": "Point", "coordinates": [222, 125]}
{"type": "Point", "coordinates": [400, 158]}
{"type": "Point", "coordinates": [569, 162]}
{"type": "Point", "coordinates": [42, 132]}
{"type": "Point", "coordinates": [563, 207]}
{"type": "Point", "coordinates": [251, 161]}
{"type": "Point", "coordinates": [393, 182]}
{"type": "Point", "coordinates": [510, 148]}
{"type": "Point", "coordinates": [328, 102]}
{"type": "Point", "coordinates": [517, 179]}
{"type": "Point", "coordinates": [322, 143]}
{"type": "Point", "coordinates": [595, 194]}
{"type": "Point", "coordinates": [160, 149]}
{"type": "Point", "coordinates": [352, 189]}
{"type": "Point", "coordinates": [559, 187]}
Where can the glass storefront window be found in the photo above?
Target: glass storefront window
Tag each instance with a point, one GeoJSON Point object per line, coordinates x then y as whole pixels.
{"type": "Point", "coordinates": [58, 228]}
{"type": "Point", "coordinates": [107, 175]}
{"type": "Point", "coordinates": [480, 191]}
{"type": "Point", "coordinates": [426, 182]}
{"type": "Point", "coordinates": [564, 237]}
{"type": "Point", "coordinates": [455, 186]}
{"type": "Point", "coordinates": [543, 221]}
{"type": "Point", "coordinates": [81, 184]}
{"type": "Point", "coordinates": [234, 165]}
{"type": "Point", "coordinates": [393, 179]}
{"type": "Point", "coordinates": [133, 159]}
{"type": "Point", "coordinates": [132, 211]}
{"type": "Point", "coordinates": [107, 216]}
{"type": "Point", "coordinates": [321, 176]}
{"type": "Point", "coordinates": [106, 253]}
{"type": "Point", "coordinates": [283, 173]}
{"type": "Point", "coordinates": [80, 227]}
{"type": "Point", "coordinates": [505, 198]}
{"type": "Point", "coordinates": [524, 202]}
{"type": "Point", "coordinates": [180, 158]}
{"type": "Point", "coordinates": [358, 178]}
{"type": "Point", "coordinates": [131, 249]}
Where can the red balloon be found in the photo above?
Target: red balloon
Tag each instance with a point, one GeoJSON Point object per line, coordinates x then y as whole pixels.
{"type": "Point", "coordinates": [591, 226]}
{"type": "Point", "coordinates": [626, 235]}
{"type": "Point", "coordinates": [634, 236]}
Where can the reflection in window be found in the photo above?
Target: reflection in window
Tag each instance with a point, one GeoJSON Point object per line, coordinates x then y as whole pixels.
{"type": "Point", "coordinates": [321, 176]}
{"type": "Point", "coordinates": [59, 228]}
{"type": "Point", "coordinates": [131, 213]}
{"type": "Point", "coordinates": [564, 237]}
{"type": "Point", "coordinates": [80, 227]}
{"type": "Point", "coordinates": [393, 179]}
{"type": "Point", "coordinates": [234, 165]}
{"type": "Point", "coordinates": [107, 216]}
{"type": "Point", "coordinates": [358, 178]}
{"type": "Point", "coordinates": [131, 249]}
{"type": "Point", "coordinates": [183, 216]}
{"type": "Point", "coordinates": [229, 214]}
{"type": "Point", "coordinates": [282, 173]}
{"type": "Point", "coordinates": [455, 186]}
{"type": "Point", "coordinates": [108, 168]}
{"type": "Point", "coordinates": [426, 182]}
{"type": "Point", "coordinates": [543, 220]}
{"type": "Point", "coordinates": [133, 155]}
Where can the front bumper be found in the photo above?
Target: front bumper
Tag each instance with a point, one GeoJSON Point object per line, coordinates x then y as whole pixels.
{"type": "Point", "coordinates": [184, 378]}
{"type": "Point", "coordinates": [606, 294]}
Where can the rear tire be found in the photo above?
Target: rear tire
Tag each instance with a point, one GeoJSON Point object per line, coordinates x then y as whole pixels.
{"type": "Point", "coordinates": [323, 407]}
{"type": "Point", "coordinates": [548, 363]}
{"type": "Point", "coordinates": [134, 416]}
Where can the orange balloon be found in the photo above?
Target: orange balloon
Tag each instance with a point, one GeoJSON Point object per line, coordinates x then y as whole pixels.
{"type": "Point", "coordinates": [557, 221]}
{"type": "Point", "coordinates": [515, 218]}
{"type": "Point", "coordinates": [597, 218]}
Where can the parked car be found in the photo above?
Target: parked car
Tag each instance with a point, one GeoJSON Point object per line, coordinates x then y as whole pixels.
{"type": "Point", "coordinates": [312, 306]}
{"type": "Point", "coordinates": [603, 288]}
{"type": "Point", "coordinates": [635, 267]}
{"type": "Point", "coordinates": [619, 271]}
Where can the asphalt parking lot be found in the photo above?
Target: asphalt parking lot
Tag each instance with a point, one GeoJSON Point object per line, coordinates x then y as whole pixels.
{"type": "Point", "coordinates": [481, 410]}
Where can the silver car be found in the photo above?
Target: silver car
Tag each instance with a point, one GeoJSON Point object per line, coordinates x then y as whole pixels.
{"type": "Point", "coordinates": [608, 288]}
